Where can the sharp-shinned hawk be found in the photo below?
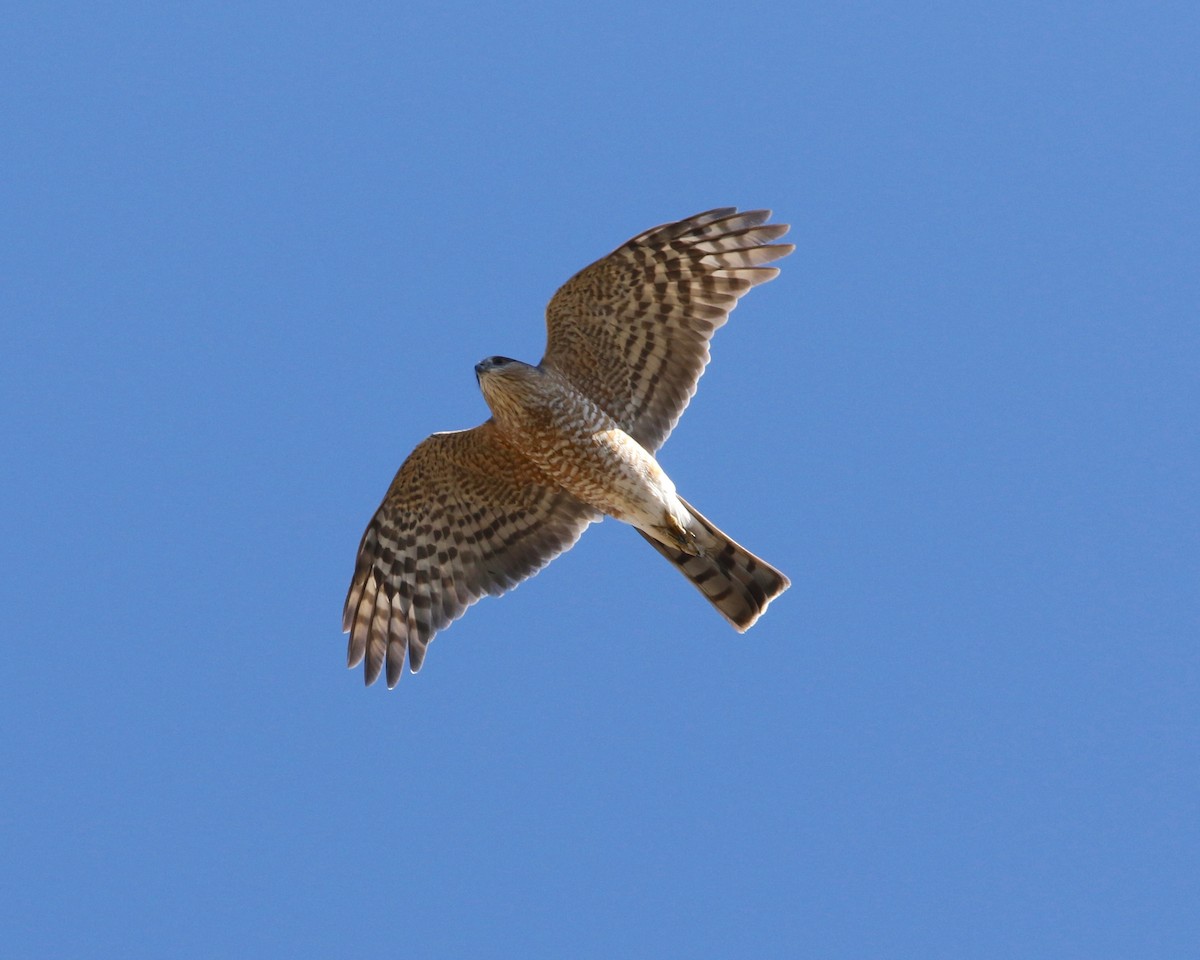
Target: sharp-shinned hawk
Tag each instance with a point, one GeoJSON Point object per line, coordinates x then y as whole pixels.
{"type": "Point", "coordinates": [475, 512]}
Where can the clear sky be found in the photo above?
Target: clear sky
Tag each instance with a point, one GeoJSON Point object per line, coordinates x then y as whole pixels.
{"type": "Point", "coordinates": [250, 255]}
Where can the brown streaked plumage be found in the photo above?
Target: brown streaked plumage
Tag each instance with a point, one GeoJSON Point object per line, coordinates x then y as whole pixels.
{"type": "Point", "coordinates": [476, 511]}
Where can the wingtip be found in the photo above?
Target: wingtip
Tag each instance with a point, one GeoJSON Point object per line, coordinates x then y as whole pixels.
{"type": "Point", "coordinates": [372, 670]}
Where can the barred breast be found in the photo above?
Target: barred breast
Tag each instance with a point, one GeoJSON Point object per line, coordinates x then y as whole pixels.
{"type": "Point", "coordinates": [578, 445]}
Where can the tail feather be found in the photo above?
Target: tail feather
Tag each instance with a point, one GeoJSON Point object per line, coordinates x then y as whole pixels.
{"type": "Point", "coordinates": [735, 581]}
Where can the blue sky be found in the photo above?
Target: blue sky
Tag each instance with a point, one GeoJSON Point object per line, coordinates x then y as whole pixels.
{"type": "Point", "coordinates": [251, 255]}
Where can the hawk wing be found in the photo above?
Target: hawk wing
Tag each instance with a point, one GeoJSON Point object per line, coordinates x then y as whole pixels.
{"type": "Point", "coordinates": [631, 331]}
{"type": "Point", "coordinates": [465, 516]}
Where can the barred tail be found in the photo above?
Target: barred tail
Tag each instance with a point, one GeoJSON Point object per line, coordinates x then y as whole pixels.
{"type": "Point", "coordinates": [735, 581]}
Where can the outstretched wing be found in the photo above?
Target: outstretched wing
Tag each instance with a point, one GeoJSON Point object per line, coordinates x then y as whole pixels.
{"type": "Point", "coordinates": [631, 331]}
{"type": "Point", "coordinates": [465, 516]}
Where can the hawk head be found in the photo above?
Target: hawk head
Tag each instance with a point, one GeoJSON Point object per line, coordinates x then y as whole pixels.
{"type": "Point", "coordinates": [508, 383]}
{"type": "Point", "coordinates": [489, 364]}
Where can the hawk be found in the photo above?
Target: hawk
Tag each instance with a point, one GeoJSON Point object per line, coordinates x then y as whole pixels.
{"type": "Point", "coordinates": [474, 512]}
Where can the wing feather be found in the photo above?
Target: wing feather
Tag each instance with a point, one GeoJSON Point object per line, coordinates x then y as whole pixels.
{"type": "Point", "coordinates": [631, 331]}
{"type": "Point", "coordinates": [465, 516]}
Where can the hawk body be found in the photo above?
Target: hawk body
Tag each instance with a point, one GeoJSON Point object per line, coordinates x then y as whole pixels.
{"type": "Point", "coordinates": [570, 440]}
{"type": "Point", "coordinates": [574, 442]}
